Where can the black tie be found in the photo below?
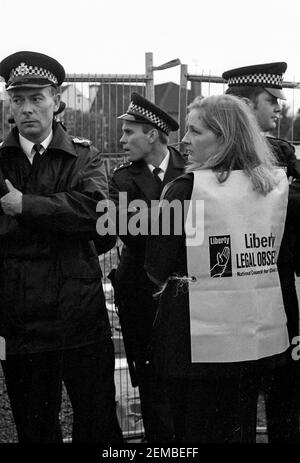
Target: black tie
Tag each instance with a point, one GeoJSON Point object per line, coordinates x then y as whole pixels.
{"type": "Point", "coordinates": [36, 156]}
{"type": "Point", "coordinates": [157, 179]}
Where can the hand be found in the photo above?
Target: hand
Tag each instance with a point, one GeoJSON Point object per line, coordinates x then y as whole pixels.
{"type": "Point", "coordinates": [220, 267]}
{"type": "Point", "coordinates": [12, 202]}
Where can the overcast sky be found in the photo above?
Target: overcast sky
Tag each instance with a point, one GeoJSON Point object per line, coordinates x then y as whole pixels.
{"type": "Point", "coordinates": [112, 36]}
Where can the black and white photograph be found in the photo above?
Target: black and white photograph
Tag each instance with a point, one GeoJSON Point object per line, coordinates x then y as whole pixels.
{"type": "Point", "coordinates": [149, 226]}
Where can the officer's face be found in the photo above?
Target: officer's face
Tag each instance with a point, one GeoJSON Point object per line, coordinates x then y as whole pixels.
{"type": "Point", "coordinates": [33, 109]}
{"type": "Point", "coordinates": [134, 141]}
{"type": "Point", "coordinates": [266, 110]}
{"type": "Point", "coordinates": [201, 143]}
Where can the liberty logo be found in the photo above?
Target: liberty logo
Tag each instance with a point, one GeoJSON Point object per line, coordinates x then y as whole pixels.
{"type": "Point", "coordinates": [220, 256]}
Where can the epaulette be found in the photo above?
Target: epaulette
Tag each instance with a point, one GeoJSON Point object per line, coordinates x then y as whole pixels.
{"type": "Point", "coordinates": [81, 141]}
{"type": "Point", "coordinates": [123, 166]}
{"type": "Point", "coordinates": [1, 143]}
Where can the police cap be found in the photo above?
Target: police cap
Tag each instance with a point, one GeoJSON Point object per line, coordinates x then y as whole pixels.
{"type": "Point", "coordinates": [143, 111]}
{"type": "Point", "coordinates": [269, 76]}
{"type": "Point", "coordinates": [31, 69]}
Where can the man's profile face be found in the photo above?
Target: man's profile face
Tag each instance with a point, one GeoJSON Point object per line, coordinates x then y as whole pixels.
{"type": "Point", "coordinates": [32, 109]}
{"type": "Point", "coordinates": [134, 141]}
{"type": "Point", "coordinates": [266, 110]}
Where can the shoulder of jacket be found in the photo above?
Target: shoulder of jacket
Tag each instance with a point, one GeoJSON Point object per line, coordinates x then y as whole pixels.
{"type": "Point", "coordinates": [180, 187]}
{"type": "Point", "coordinates": [181, 180]}
{"type": "Point", "coordinates": [123, 166]}
{"type": "Point", "coordinates": [186, 177]}
{"type": "Point", "coordinates": [280, 141]}
{"type": "Point", "coordinates": [284, 146]}
{"type": "Point", "coordinates": [81, 141]}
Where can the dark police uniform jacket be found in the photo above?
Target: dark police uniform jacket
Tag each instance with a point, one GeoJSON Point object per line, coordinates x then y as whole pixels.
{"type": "Point", "coordinates": [285, 155]}
{"type": "Point", "coordinates": [289, 256]}
{"type": "Point", "coordinates": [51, 290]}
{"type": "Point", "coordinates": [134, 290]}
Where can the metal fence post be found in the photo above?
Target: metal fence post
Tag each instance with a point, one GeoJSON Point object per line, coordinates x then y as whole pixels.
{"type": "Point", "coordinates": [183, 92]}
{"type": "Point", "coordinates": [196, 89]}
{"type": "Point", "coordinates": [149, 76]}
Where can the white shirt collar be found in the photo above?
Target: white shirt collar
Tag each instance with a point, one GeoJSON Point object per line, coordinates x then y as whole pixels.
{"type": "Point", "coordinates": [27, 145]}
{"type": "Point", "coordinates": [163, 166]}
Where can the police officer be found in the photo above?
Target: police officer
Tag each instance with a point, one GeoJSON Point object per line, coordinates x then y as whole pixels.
{"type": "Point", "coordinates": [54, 317]}
{"type": "Point", "coordinates": [261, 87]}
{"type": "Point", "coordinates": [151, 165]}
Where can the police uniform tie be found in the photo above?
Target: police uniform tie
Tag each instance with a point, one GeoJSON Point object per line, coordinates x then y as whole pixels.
{"type": "Point", "coordinates": [157, 179]}
{"type": "Point", "coordinates": [36, 157]}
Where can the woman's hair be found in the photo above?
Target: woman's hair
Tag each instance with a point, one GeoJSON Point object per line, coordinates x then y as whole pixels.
{"type": "Point", "coordinates": [241, 144]}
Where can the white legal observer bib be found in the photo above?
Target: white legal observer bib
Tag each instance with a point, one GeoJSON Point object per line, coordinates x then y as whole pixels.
{"type": "Point", "coordinates": [236, 306]}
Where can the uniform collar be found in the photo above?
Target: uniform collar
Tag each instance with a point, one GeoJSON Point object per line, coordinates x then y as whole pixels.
{"type": "Point", "coordinates": [142, 176]}
{"type": "Point", "coordinates": [27, 145]}
{"type": "Point", "coordinates": [174, 159]}
{"type": "Point", "coordinates": [62, 141]}
{"type": "Point", "coordinates": [163, 165]}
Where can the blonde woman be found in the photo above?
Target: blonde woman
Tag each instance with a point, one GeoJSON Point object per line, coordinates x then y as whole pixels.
{"type": "Point", "coordinates": [221, 320]}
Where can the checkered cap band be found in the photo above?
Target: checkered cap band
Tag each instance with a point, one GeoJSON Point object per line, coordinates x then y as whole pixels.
{"type": "Point", "coordinates": [24, 70]}
{"type": "Point", "coordinates": [152, 117]}
{"type": "Point", "coordinates": [272, 80]}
